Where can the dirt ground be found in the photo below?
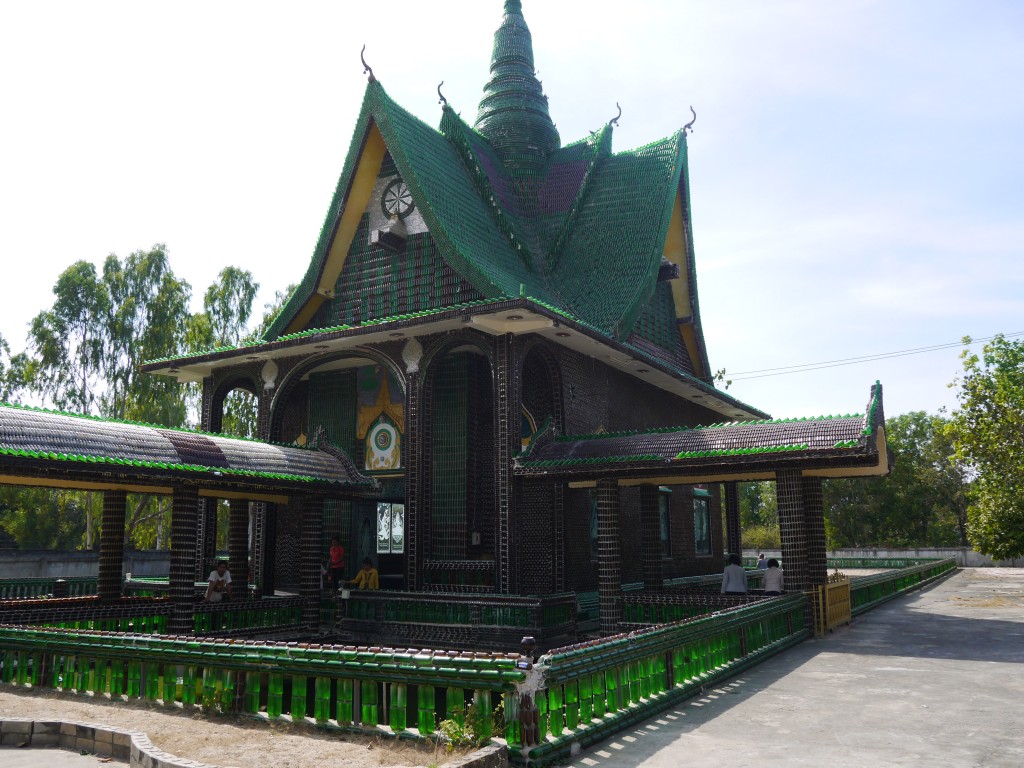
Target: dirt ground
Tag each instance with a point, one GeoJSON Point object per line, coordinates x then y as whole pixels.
{"type": "Point", "coordinates": [226, 740]}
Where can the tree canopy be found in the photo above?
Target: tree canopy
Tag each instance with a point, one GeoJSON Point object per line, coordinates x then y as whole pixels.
{"type": "Point", "coordinates": [83, 355]}
{"type": "Point", "coordinates": [987, 434]}
{"type": "Point", "coordinates": [922, 503]}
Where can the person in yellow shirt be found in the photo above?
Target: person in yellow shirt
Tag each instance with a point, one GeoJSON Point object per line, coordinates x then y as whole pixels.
{"type": "Point", "coordinates": [367, 577]}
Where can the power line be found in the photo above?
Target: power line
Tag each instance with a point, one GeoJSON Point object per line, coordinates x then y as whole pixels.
{"type": "Point", "coordinates": [805, 367]}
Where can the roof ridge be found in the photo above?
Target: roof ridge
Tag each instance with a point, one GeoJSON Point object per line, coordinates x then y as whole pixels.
{"type": "Point", "coordinates": [505, 221]}
{"type": "Point", "coordinates": [602, 149]}
{"type": "Point", "coordinates": [701, 427]}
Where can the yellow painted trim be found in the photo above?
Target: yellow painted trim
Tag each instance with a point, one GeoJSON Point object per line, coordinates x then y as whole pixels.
{"type": "Point", "coordinates": [353, 207]}
{"type": "Point", "coordinates": [157, 490]}
{"type": "Point", "coordinates": [83, 485]}
{"type": "Point", "coordinates": [213, 493]}
{"type": "Point", "coordinates": [676, 252]}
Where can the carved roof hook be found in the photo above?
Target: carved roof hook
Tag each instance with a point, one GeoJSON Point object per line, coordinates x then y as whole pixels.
{"type": "Point", "coordinates": [689, 125]}
{"type": "Point", "coordinates": [441, 98]}
{"type": "Point", "coordinates": [366, 67]}
{"type": "Point", "coordinates": [615, 120]}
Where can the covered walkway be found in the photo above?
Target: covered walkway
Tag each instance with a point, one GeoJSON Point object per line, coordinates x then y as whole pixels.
{"type": "Point", "coordinates": [933, 678]}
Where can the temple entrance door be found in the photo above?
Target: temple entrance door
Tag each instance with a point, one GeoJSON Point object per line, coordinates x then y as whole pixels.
{"type": "Point", "coordinates": [378, 532]}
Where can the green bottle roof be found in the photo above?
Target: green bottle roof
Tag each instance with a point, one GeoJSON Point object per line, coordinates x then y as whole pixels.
{"type": "Point", "coordinates": [513, 113]}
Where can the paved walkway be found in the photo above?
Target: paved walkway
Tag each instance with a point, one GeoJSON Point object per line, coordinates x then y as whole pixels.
{"type": "Point", "coordinates": [935, 678]}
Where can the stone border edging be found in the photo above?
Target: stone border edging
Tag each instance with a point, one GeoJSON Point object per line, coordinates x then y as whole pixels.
{"type": "Point", "coordinates": [135, 748]}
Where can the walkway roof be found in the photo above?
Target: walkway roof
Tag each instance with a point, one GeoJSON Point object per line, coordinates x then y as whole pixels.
{"type": "Point", "coordinates": [66, 450]}
{"type": "Point", "coordinates": [826, 446]}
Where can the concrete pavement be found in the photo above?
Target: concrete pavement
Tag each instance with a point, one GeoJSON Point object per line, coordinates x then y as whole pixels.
{"type": "Point", "coordinates": [935, 678]}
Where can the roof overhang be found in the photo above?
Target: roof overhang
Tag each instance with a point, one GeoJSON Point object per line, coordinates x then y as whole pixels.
{"type": "Point", "coordinates": [498, 317]}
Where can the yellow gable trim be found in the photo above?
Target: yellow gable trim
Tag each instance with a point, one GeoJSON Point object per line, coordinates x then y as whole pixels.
{"type": "Point", "coordinates": [676, 252]}
{"type": "Point", "coordinates": [363, 181]}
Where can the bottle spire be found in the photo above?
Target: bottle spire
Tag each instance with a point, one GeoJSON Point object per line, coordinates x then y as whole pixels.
{"type": "Point", "coordinates": [513, 112]}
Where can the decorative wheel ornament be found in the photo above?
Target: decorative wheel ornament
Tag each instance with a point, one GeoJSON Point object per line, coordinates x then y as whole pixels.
{"type": "Point", "coordinates": [383, 447]}
{"type": "Point", "coordinates": [397, 200]}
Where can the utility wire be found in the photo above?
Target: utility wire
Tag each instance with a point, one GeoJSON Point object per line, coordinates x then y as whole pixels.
{"type": "Point", "coordinates": [805, 367]}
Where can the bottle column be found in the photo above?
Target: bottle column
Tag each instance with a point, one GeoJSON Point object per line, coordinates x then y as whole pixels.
{"type": "Point", "coordinates": [609, 557]}
{"type": "Point", "coordinates": [310, 558]}
{"type": "Point", "coordinates": [238, 545]}
{"type": "Point", "coordinates": [184, 516]}
{"type": "Point", "coordinates": [108, 587]}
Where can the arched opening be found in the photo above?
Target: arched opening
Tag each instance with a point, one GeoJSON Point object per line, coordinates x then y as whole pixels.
{"type": "Point", "coordinates": [458, 475]}
{"type": "Point", "coordinates": [235, 409]}
{"type": "Point", "coordinates": [356, 402]}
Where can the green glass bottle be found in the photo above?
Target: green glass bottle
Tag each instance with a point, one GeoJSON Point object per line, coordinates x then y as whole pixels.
{"type": "Point", "coordinates": [134, 679]}
{"type": "Point", "coordinates": [425, 720]}
{"type": "Point", "coordinates": [368, 700]}
{"type": "Point", "coordinates": [322, 699]}
{"type": "Point", "coordinates": [556, 710]}
{"type": "Point", "coordinates": [484, 714]}
{"type": "Point", "coordinates": [455, 705]}
{"type": "Point", "coordinates": [298, 703]}
{"type": "Point", "coordinates": [252, 693]}
{"type": "Point", "coordinates": [572, 705]}
{"type": "Point", "coordinates": [275, 694]}
{"type": "Point", "coordinates": [586, 699]}
{"type": "Point", "coordinates": [611, 687]}
{"type": "Point", "coordinates": [188, 686]}
{"type": "Point", "coordinates": [398, 711]}
{"type": "Point", "coordinates": [344, 715]}
{"type": "Point", "coordinates": [600, 703]}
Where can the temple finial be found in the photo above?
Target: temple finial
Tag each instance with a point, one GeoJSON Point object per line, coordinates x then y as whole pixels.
{"type": "Point", "coordinates": [366, 67]}
{"type": "Point", "coordinates": [441, 99]}
{"type": "Point", "coordinates": [615, 120]}
{"type": "Point", "coordinates": [689, 125]}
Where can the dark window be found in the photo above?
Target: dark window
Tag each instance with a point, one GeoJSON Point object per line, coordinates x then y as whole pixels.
{"type": "Point", "coordinates": [664, 523]}
{"type": "Point", "coordinates": [701, 526]}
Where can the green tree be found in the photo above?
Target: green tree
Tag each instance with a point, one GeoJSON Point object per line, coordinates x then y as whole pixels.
{"type": "Point", "coordinates": [38, 518]}
{"type": "Point", "coordinates": [988, 435]}
{"type": "Point", "coordinates": [922, 503]}
{"type": "Point", "coordinates": [12, 372]}
{"type": "Point", "coordinates": [759, 516]}
{"type": "Point", "coordinates": [85, 353]}
{"type": "Point", "coordinates": [67, 341]}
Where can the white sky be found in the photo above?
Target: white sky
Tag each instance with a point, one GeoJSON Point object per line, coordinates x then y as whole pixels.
{"type": "Point", "coordinates": [856, 167]}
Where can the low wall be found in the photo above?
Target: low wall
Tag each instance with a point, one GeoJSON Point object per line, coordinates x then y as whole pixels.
{"type": "Point", "coordinates": [965, 556]}
{"type": "Point", "coordinates": [49, 564]}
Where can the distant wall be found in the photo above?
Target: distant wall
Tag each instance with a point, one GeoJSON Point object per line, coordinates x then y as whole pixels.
{"type": "Point", "coordinates": [47, 564]}
{"type": "Point", "coordinates": [964, 556]}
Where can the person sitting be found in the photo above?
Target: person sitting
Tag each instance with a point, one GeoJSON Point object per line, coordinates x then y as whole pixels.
{"type": "Point", "coordinates": [219, 587]}
{"type": "Point", "coordinates": [734, 578]}
{"type": "Point", "coordinates": [773, 578]}
{"type": "Point", "coordinates": [367, 577]}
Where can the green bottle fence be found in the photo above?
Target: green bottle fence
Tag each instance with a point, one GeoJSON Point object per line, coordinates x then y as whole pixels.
{"type": "Point", "coordinates": [866, 592]}
{"type": "Point", "coordinates": [575, 694]}
{"type": "Point", "coordinates": [588, 692]}
{"type": "Point", "coordinates": [147, 616]}
{"type": "Point", "coordinates": [21, 589]}
{"type": "Point", "coordinates": [396, 692]}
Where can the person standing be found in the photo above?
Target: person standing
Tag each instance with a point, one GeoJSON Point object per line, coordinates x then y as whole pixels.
{"type": "Point", "coordinates": [773, 578]}
{"type": "Point", "coordinates": [734, 578]}
{"type": "Point", "coordinates": [336, 564]}
{"type": "Point", "coordinates": [761, 563]}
